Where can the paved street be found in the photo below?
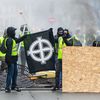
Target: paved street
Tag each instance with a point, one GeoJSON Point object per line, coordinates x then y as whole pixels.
{"type": "Point", "coordinates": [47, 95]}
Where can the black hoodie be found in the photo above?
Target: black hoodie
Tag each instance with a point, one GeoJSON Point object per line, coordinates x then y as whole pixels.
{"type": "Point", "coordinates": [11, 35]}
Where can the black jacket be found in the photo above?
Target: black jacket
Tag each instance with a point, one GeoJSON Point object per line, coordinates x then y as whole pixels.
{"type": "Point", "coordinates": [9, 58]}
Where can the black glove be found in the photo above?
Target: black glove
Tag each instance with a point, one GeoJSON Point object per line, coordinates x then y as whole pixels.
{"type": "Point", "coordinates": [51, 30]}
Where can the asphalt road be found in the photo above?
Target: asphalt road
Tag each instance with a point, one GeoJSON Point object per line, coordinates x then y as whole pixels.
{"type": "Point", "coordinates": [47, 95]}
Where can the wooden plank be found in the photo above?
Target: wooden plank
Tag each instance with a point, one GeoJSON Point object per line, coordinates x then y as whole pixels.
{"type": "Point", "coordinates": [81, 69]}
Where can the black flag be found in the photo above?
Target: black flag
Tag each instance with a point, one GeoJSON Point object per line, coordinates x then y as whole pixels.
{"type": "Point", "coordinates": [39, 50]}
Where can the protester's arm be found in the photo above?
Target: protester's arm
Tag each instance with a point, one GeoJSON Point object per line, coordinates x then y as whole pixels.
{"type": "Point", "coordinates": [18, 40]}
{"type": "Point", "coordinates": [9, 44]}
{"type": "Point", "coordinates": [68, 41]}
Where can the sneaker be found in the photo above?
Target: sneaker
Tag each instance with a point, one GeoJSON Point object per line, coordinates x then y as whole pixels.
{"type": "Point", "coordinates": [16, 89]}
{"type": "Point", "coordinates": [54, 89]}
{"type": "Point", "coordinates": [7, 91]}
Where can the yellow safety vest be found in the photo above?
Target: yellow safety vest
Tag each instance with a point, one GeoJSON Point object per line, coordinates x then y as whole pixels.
{"type": "Point", "coordinates": [22, 43]}
{"type": "Point", "coordinates": [14, 48]}
{"type": "Point", "coordinates": [61, 45]}
{"type": "Point", "coordinates": [1, 40]}
{"type": "Point", "coordinates": [73, 37]}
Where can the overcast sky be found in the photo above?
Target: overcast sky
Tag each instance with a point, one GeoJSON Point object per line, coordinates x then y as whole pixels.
{"type": "Point", "coordinates": [43, 14]}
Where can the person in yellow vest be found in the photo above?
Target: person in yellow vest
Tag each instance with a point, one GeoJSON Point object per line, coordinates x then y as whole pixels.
{"type": "Point", "coordinates": [71, 40]}
{"type": "Point", "coordinates": [60, 45]}
{"type": "Point", "coordinates": [24, 31]}
{"type": "Point", "coordinates": [11, 58]}
{"type": "Point", "coordinates": [2, 57]}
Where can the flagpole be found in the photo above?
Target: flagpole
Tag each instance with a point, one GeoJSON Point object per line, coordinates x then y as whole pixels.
{"type": "Point", "coordinates": [25, 25]}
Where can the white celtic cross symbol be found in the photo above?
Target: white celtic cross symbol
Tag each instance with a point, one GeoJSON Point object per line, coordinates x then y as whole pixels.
{"type": "Point", "coordinates": [41, 50]}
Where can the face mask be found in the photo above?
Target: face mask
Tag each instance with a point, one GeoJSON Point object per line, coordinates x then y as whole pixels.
{"type": "Point", "coordinates": [60, 32]}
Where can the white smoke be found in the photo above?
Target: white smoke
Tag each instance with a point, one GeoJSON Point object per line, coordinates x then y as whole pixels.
{"type": "Point", "coordinates": [80, 16]}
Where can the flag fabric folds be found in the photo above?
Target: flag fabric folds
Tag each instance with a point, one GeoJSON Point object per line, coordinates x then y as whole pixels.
{"type": "Point", "coordinates": [39, 51]}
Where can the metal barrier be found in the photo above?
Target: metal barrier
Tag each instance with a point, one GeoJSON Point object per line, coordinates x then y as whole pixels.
{"type": "Point", "coordinates": [27, 81]}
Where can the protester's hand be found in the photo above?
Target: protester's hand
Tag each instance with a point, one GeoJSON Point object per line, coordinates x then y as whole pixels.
{"type": "Point", "coordinates": [51, 29]}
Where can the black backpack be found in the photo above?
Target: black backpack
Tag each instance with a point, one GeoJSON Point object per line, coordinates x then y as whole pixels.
{"type": "Point", "coordinates": [3, 49]}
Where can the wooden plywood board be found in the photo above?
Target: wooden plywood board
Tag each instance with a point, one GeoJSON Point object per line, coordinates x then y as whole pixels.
{"type": "Point", "coordinates": [81, 69]}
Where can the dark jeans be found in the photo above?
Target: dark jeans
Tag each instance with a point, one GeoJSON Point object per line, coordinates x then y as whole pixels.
{"type": "Point", "coordinates": [59, 74]}
{"type": "Point", "coordinates": [11, 75]}
{"type": "Point", "coordinates": [23, 59]}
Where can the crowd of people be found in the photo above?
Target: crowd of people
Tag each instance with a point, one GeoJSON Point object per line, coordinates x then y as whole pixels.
{"type": "Point", "coordinates": [9, 59]}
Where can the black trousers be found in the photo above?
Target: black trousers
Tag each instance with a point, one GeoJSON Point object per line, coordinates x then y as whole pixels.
{"type": "Point", "coordinates": [58, 73]}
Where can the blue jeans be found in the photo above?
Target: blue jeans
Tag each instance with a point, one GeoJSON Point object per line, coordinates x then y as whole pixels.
{"type": "Point", "coordinates": [11, 76]}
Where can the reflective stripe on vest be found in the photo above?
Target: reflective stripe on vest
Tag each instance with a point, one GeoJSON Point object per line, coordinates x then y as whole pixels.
{"type": "Point", "coordinates": [14, 48]}
{"type": "Point", "coordinates": [1, 40]}
{"type": "Point", "coordinates": [61, 45]}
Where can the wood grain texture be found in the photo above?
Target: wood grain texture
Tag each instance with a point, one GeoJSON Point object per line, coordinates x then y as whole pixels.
{"type": "Point", "coordinates": [81, 69]}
